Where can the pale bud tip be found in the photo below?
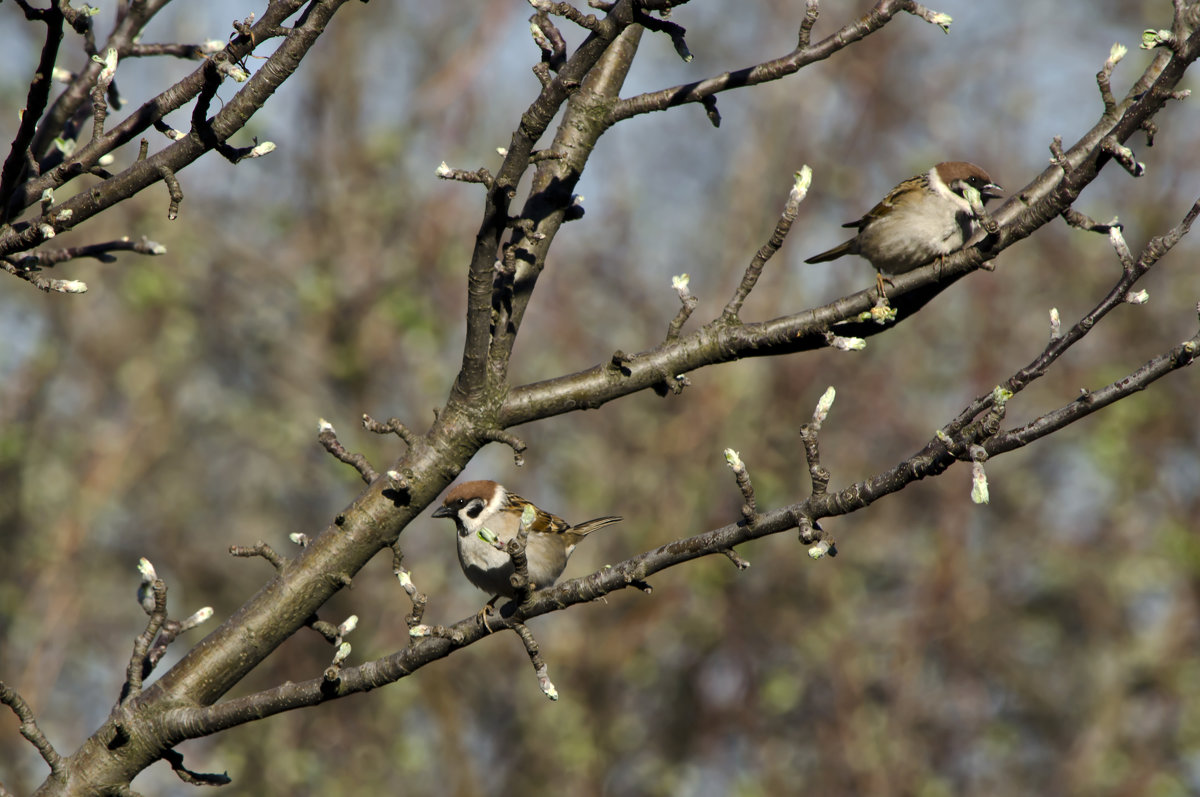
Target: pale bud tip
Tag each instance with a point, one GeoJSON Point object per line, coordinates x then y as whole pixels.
{"type": "Point", "coordinates": [979, 485]}
{"type": "Point", "coordinates": [264, 148]}
{"type": "Point", "coordinates": [803, 181]}
{"type": "Point", "coordinates": [146, 569]}
{"type": "Point", "coordinates": [826, 402]}
{"type": "Point", "coordinates": [733, 459]}
{"type": "Point", "coordinates": [70, 286]}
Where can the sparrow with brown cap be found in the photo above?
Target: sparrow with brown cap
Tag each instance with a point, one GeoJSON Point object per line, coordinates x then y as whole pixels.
{"type": "Point", "coordinates": [927, 216]}
{"type": "Point", "coordinates": [485, 515]}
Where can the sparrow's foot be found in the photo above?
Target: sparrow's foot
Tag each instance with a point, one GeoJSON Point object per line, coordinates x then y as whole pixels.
{"type": "Point", "coordinates": [879, 280]}
{"type": "Point", "coordinates": [488, 610]}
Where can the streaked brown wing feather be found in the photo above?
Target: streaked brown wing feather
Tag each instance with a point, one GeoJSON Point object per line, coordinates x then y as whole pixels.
{"type": "Point", "coordinates": [543, 522]}
{"type": "Point", "coordinates": [546, 523]}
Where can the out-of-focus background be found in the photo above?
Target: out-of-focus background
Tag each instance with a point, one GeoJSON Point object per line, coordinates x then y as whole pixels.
{"type": "Point", "coordinates": [1043, 644]}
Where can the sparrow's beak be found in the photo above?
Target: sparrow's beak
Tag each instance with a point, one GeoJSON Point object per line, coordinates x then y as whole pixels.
{"type": "Point", "coordinates": [991, 191]}
{"type": "Point", "coordinates": [443, 511]}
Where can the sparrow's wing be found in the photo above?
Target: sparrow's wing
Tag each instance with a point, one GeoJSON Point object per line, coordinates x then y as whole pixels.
{"type": "Point", "coordinates": [543, 522]}
{"type": "Point", "coordinates": [888, 202]}
{"type": "Point", "coordinates": [546, 523]}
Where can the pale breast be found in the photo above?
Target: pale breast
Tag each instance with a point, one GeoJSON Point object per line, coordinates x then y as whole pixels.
{"type": "Point", "coordinates": [907, 238]}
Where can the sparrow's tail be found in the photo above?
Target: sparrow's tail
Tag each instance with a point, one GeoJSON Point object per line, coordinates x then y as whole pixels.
{"type": "Point", "coordinates": [834, 253]}
{"type": "Point", "coordinates": [588, 526]}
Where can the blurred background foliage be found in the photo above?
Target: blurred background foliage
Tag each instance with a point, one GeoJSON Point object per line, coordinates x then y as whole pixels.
{"type": "Point", "coordinates": [1043, 644]}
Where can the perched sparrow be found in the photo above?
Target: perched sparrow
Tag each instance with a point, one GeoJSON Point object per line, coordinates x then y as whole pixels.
{"type": "Point", "coordinates": [924, 217]}
{"type": "Point", "coordinates": [485, 504]}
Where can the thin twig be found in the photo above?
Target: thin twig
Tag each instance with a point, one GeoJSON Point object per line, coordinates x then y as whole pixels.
{"type": "Point", "coordinates": [390, 426]}
{"type": "Point", "coordinates": [808, 436]}
{"type": "Point", "coordinates": [327, 436]}
{"type": "Point", "coordinates": [509, 439]}
{"type": "Point", "coordinates": [35, 106]}
{"type": "Point", "coordinates": [175, 759]}
{"type": "Point", "coordinates": [259, 548]}
{"type": "Point", "coordinates": [535, 658]}
{"type": "Point", "coordinates": [801, 181]}
{"type": "Point", "coordinates": [742, 475]}
{"type": "Point", "coordinates": [419, 599]}
{"type": "Point", "coordinates": [154, 600]}
{"type": "Point", "coordinates": [688, 302]}
{"type": "Point", "coordinates": [29, 727]}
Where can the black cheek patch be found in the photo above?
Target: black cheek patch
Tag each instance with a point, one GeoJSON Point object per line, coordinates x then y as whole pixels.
{"type": "Point", "coordinates": [475, 509]}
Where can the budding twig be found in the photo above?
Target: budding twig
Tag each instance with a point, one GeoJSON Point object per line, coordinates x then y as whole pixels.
{"type": "Point", "coordinates": [480, 175]}
{"type": "Point", "coordinates": [1104, 78]}
{"type": "Point", "coordinates": [800, 184]}
{"type": "Point", "coordinates": [535, 658]}
{"type": "Point", "coordinates": [749, 508]}
{"type": "Point", "coordinates": [260, 548]}
{"type": "Point", "coordinates": [328, 439]}
{"type": "Point", "coordinates": [152, 594]}
{"type": "Point", "coordinates": [1122, 155]}
{"type": "Point", "coordinates": [688, 301]}
{"type": "Point", "coordinates": [811, 11]}
{"type": "Point", "coordinates": [817, 472]}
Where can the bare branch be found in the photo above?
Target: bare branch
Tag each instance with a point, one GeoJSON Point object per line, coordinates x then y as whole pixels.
{"type": "Point", "coordinates": [568, 11]}
{"type": "Point", "coordinates": [175, 759]}
{"type": "Point", "coordinates": [29, 727]}
{"type": "Point", "coordinates": [535, 658]}
{"type": "Point", "coordinates": [932, 17]}
{"type": "Point", "coordinates": [390, 426]}
{"type": "Point", "coordinates": [229, 119]}
{"type": "Point", "coordinates": [812, 10]}
{"type": "Point", "coordinates": [327, 436]}
{"type": "Point", "coordinates": [1083, 222]}
{"type": "Point", "coordinates": [1104, 78]}
{"type": "Point", "coordinates": [550, 41]}
{"type": "Point", "coordinates": [767, 71]}
{"type": "Point", "coordinates": [801, 182]}
{"type": "Point", "coordinates": [1123, 155]}
{"type": "Point", "coordinates": [154, 601]}
{"type": "Point", "coordinates": [688, 302]}
{"type": "Point", "coordinates": [676, 32]}
{"type": "Point", "coordinates": [419, 599]}
{"type": "Point", "coordinates": [509, 439]}
{"type": "Point", "coordinates": [750, 507]}
{"type": "Point", "coordinates": [808, 436]}
{"type": "Point", "coordinates": [35, 105]}
{"type": "Point", "coordinates": [259, 548]}
{"type": "Point", "coordinates": [43, 283]}
{"type": "Point", "coordinates": [480, 175]}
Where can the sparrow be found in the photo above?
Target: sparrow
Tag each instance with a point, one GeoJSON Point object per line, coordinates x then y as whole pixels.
{"type": "Point", "coordinates": [927, 216]}
{"type": "Point", "coordinates": [477, 506]}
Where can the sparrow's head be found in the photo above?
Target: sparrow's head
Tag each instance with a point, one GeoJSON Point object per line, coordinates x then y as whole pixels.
{"type": "Point", "coordinates": [957, 176]}
{"type": "Point", "coordinates": [471, 504]}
